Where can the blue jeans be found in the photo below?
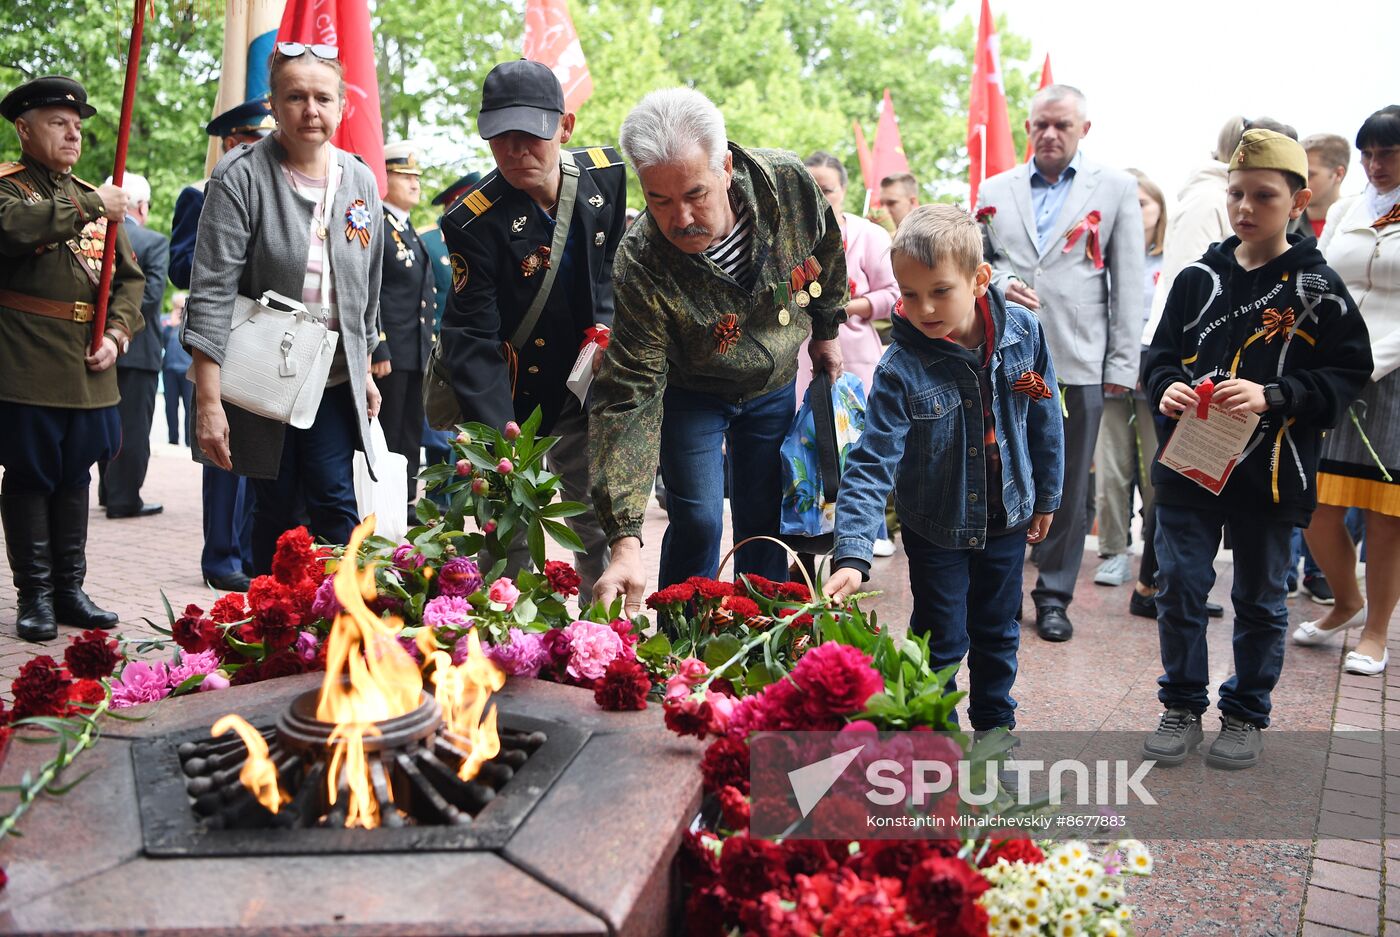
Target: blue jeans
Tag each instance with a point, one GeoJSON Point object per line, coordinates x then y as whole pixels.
{"type": "Point", "coordinates": [969, 599]}
{"type": "Point", "coordinates": [437, 449]}
{"type": "Point", "coordinates": [1299, 548]}
{"type": "Point", "coordinates": [1187, 540]}
{"type": "Point", "coordinates": [696, 431]}
{"type": "Point", "coordinates": [318, 469]}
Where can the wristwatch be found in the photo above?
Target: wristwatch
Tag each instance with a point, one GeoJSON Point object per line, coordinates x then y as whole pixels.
{"type": "Point", "coordinates": [1275, 397]}
{"type": "Point", "coordinates": [122, 342]}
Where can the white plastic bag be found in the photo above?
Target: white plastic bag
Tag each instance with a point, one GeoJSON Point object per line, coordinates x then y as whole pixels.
{"type": "Point", "coordinates": [386, 498]}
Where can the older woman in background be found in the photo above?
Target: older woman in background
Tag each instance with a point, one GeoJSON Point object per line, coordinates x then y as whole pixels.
{"type": "Point", "coordinates": [263, 227]}
{"type": "Point", "coordinates": [1361, 458]}
{"type": "Point", "coordinates": [872, 286]}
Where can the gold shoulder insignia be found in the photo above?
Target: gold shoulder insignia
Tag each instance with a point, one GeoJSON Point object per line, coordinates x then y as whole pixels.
{"type": "Point", "coordinates": [9, 169]}
{"type": "Point", "coordinates": [475, 203]}
{"type": "Point", "coordinates": [85, 184]}
{"type": "Point", "coordinates": [597, 157]}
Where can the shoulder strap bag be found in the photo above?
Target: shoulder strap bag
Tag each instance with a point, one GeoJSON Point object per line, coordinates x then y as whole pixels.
{"type": "Point", "coordinates": [439, 400]}
{"type": "Point", "coordinates": [279, 353]}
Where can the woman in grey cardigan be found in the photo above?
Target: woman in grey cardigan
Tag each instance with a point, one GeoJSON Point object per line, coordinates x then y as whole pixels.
{"type": "Point", "coordinates": [262, 229]}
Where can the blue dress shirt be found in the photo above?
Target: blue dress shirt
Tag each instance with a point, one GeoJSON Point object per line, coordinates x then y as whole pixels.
{"type": "Point", "coordinates": [1048, 198]}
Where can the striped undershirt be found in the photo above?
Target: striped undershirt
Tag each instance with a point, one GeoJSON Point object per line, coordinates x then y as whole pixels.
{"type": "Point", "coordinates": [732, 255]}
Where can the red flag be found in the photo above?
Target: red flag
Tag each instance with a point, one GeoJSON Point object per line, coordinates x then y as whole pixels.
{"type": "Point", "coordinates": [1046, 80]}
{"type": "Point", "coordinates": [345, 24]}
{"type": "Point", "coordinates": [988, 128]}
{"type": "Point", "coordinates": [866, 161]}
{"type": "Point", "coordinates": [888, 157]}
{"type": "Point", "coordinates": [550, 38]}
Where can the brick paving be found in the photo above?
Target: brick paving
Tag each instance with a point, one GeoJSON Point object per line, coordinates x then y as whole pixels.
{"type": "Point", "coordinates": [1333, 886]}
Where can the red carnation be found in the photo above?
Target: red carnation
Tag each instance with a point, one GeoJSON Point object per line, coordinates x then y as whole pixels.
{"type": "Point", "coordinates": [194, 633]}
{"type": "Point", "coordinates": [795, 592]}
{"type": "Point", "coordinates": [706, 911]}
{"type": "Point", "coordinates": [726, 762]}
{"type": "Point", "coordinates": [762, 586]}
{"type": "Point", "coordinates": [803, 621]}
{"type": "Point", "coordinates": [84, 696]}
{"type": "Point", "coordinates": [735, 807]}
{"type": "Point", "coordinates": [250, 672]}
{"type": "Point", "coordinates": [709, 588]}
{"type": "Point", "coordinates": [295, 557]}
{"type": "Point", "coordinates": [749, 867]}
{"type": "Point", "coordinates": [624, 686]}
{"type": "Point", "coordinates": [282, 664]}
{"type": "Point", "coordinates": [229, 608]}
{"type": "Point", "coordinates": [92, 655]}
{"type": "Point", "coordinates": [688, 716]}
{"type": "Point", "coordinates": [562, 577]}
{"type": "Point", "coordinates": [986, 214]}
{"type": "Point", "coordinates": [836, 680]}
{"type": "Point", "coordinates": [943, 891]}
{"type": "Point", "coordinates": [1012, 850]}
{"type": "Point", "coordinates": [741, 606]}
{"type": "Point", "coordinates": [671, 595]}
{"type": "Point", "coordinates": [41, 689]}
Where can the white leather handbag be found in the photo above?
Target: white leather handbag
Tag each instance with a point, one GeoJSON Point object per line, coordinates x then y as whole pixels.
{"type": "Point", "coordinates": [279, 353]}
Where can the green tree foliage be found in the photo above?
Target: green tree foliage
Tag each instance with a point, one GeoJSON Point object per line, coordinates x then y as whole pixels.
{"type": "Point", "coordinates": [787, 73]}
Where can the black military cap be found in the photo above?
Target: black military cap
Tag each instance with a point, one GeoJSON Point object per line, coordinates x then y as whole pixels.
{"type": "Point", "coordinates": [449, 194]}
{"type": "Point", "coordinates": [48, 91]}
{"type": "Point", "coordinates": [254, 116]}
{"type": "Point", "coordinates": [520, 95]}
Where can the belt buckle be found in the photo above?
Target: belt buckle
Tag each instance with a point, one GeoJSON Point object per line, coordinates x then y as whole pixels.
{"type": "Point", "coordinates": [82, 312]}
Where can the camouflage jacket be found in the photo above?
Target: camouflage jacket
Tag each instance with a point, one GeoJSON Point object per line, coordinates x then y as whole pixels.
{"type": "Point", "coordinates": [51, 235]}
{"type": "Point", "coordinates": [682, 321]}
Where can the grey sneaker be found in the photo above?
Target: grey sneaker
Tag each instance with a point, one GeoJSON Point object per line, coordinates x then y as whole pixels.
{"type": "Point", "coordinates": [1114, 571]}
{"type": "Point", "coordinates": [1177, 736]}
{"type": "Point", "coordinates": [1237, 746]}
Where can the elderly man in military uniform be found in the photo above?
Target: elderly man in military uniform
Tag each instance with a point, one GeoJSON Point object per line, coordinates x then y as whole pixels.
{"type": "Point", "coordinates": [227, 498]}
{"type": "Point", "coordinates": [507, 263]}
{"type": "Point", "coordinates": [736, 260]}
{"type": "Point", "coordinates": [407, 299]}
{"type": "Point", "coordinates": [58, 398]}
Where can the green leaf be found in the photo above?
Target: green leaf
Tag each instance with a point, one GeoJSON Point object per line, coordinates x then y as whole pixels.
{"type": "Point", "coordinates": [524, 611]}
{"type": "Point", "coordinates": [655, 649]}
{"type": "Point", "coordinates": [535, 539]}
{"type": "Point", "coordinates": [563, 535]}
{"type": "Point", "coordinates": [563, 509]}
{"type": "Point", "coordinates": [719, 649]}
{"type": "Point", "coordinates": [427, 510]}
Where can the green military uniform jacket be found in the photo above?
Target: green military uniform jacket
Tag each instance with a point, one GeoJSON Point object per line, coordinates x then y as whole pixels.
{"type": "Point", "coordinates": [46, 222]}
{"type": "Point", "coordinates": [683, 321]}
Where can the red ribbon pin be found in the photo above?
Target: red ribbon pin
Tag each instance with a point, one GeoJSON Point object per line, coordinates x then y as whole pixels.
{"type": "Point", "coordinates": [1089, 226]}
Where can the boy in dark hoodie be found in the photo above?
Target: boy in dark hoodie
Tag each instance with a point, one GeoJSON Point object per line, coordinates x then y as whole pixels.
{"type": "Point", "coordinates": [1263, 318]}
{"type": "Point", "coordinates": [963, 424]}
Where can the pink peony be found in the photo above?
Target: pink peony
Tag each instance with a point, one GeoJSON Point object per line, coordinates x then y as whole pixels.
{"type": "Point", "coordinates": [191, 665]}
{"type": "Point", "coordinates": [459, 576]}
{"type": "Point", "coordinates": [447, 611]}
{"type": "Point", "coordinates": [325, 605]}
{"type": "Point", "coordinates": [512, 430]}
{"type": "Point", "coordinates": [140, 682]}
{"type": "Point", "coordinates": [505, 467]}
{"type": "Point", "coordinates": [463, 467]}
{"type": "Point", "coordinates": [306, 645]}
{"type": "Point", "coordinates": [591, 648]}
{"type": "Point", "coordinates": [407, 557]}
{"type": "Point", "coordinates": [523, 655]}
{"type": "Point", "coordinates": [214, 681]}
{"type": "Point", "coordinates": [503, 592]}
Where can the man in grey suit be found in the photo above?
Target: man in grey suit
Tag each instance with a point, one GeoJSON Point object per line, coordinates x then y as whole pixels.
{"type": "Point", "coordinates": [1064, 238]}
{"type": "Point", "coordinates": [138, 371]}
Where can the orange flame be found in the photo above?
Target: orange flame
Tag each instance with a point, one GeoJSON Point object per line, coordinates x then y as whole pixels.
{"type": "Point", "coordinates": [258, 774]}
{"type": "Point", "coordinates": [462, 692]}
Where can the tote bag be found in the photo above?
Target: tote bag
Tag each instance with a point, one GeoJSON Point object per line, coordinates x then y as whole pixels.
{"type": "Point", "coordinates": [826, 426]}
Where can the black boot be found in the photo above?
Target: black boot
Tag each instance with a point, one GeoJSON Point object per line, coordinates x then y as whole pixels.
{"type": "Point", "coordinates": [68, 526]}
{"type": "Point", "coordinates": [26, 519]}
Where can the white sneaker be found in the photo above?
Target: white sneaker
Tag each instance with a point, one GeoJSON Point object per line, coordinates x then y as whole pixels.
{"type": "Point", "coordinates": [1309, 633]}
{"type": "Point", "coordinates": [1114, 571]}
{"type": "Point", "coordinates": [884, 546]}
{"type": "Point", "coordinates": [1365, 665]}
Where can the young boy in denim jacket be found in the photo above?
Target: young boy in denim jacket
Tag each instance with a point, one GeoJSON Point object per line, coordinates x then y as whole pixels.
{"type": "Point", "coordinates": [1271, 326]}
{"type": "Point", "coordinates": [963, 424]}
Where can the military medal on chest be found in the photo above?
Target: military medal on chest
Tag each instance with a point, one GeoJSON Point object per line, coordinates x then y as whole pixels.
{"type": "Point", "coordinates": [87, 247]}
{"type": "Point", "coordinates": [535, 261]}
{"type": "Point", "coordinates": [402, 252]}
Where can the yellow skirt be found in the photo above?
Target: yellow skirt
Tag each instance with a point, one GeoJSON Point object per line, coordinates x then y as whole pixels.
{"type": "Point", "coordinates": [1368, 494]}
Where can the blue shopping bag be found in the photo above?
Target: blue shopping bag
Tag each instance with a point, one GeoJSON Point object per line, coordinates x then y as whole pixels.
{"type": "Point", "coordinates": [826, 426]}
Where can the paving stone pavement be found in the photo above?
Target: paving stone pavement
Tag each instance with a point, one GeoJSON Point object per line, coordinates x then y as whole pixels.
{"type": "Point", "coordinates": [1104, 679]}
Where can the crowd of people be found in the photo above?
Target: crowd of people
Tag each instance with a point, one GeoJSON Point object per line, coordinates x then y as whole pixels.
{"type": "Point", "coordinates": [1040, 350]}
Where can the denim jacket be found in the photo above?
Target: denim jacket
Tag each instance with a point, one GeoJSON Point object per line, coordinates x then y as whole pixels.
{"type": "Point", "coordinates": [923, 433]}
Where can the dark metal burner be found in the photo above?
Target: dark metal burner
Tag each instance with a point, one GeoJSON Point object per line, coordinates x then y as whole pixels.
{"type": "Point", "coordinates": [193, 803]}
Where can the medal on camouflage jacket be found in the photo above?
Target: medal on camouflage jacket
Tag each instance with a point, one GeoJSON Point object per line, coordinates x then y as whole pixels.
{"type": "Point", "coordinates": [357, 222]}
{"type": "Point", "coordinates": [535, 261]}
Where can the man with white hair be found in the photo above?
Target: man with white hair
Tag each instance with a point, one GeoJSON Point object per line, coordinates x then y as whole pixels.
{"type": "Point", "coordinates": [1064, 238]}
{"type": "Point", "coordinates": [736, 260]}
{"type": "Point", "coordinates": [138, 371]}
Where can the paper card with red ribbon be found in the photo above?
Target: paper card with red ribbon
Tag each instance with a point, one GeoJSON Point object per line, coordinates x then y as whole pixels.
{"type": "Point", "coordinates": [1088, 228]}
{"type": "Point", "coordinates": [1207, 449]}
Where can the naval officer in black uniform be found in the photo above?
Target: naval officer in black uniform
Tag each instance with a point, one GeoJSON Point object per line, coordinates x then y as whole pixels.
{"type": "Point", "coordinates": [499, 237]}
{"type": "Point", "coordinates": [407, 299]}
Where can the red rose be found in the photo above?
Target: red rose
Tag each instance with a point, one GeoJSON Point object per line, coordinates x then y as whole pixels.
{"type": "Point", "coordinates": [726, 762]}
{"type": "Point", "coordinates": [84, 696]}
{"type": "Point", "coordinates": [41, 689]}
{"type": "Point", "coordinates": [229, 608]}
{"type": "Point", "coordinates": [1012, 850]}
{"type": "Point", "coordinates": [92, 655]}
{"type": "Point", "coordinates": [295, 557]}
{"type": "Point", "coordinates": [709, 588]}
{"type": "Point", "coordinates": [195, 634]}
{"type": "Point", "coordinates": [562, 577]}
{"type": "Point", "coordinates": [749, 867]}
{"type": "Point", "coordinates": [741, 606]}
{"type": "Point", "coordinates": [735, 807]}
{"type": "Point", "coordinates": [943, 891]}
{"type": "Point", "coordinates": [624, 686]}
{"type": "Point", "coordinates": [836, 680]}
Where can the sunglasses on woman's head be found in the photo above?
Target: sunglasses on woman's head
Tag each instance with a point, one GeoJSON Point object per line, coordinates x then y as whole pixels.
{"type": "Point", "coordinates": [292, 50]}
